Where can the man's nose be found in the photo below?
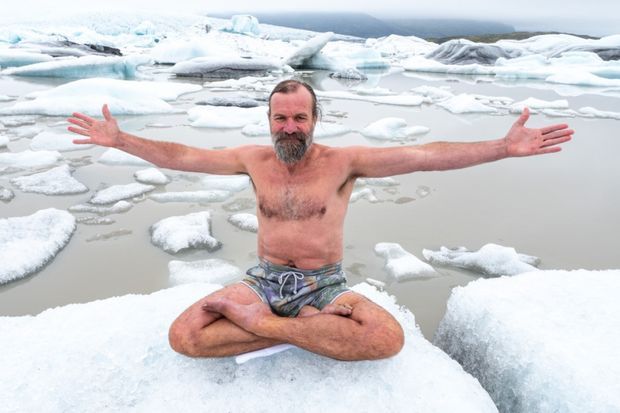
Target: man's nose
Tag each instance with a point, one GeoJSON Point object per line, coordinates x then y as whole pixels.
{"type": "Point", "coordinates": [290, 126]}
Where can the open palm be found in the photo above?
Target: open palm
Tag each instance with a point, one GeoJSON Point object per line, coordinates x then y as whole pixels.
{"type": "Point", "coordinates": [522, 141]}
{"type": "Point", "coordinates": [104, 133]}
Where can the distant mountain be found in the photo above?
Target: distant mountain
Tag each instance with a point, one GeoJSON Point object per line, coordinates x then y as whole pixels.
{"type": "Point", "coordinates": [364, 25]}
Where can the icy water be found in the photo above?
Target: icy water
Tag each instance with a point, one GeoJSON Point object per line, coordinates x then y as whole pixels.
{"type": "Point", "coordinates": [562, 208]}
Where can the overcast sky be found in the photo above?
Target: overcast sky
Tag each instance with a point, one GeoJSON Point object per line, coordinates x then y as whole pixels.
{"type": "Point", "coordinates": [549, 13]}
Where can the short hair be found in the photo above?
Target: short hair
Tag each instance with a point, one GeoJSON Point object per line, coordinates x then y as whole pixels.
{"type": "Point", "coordinates": [290, 86]}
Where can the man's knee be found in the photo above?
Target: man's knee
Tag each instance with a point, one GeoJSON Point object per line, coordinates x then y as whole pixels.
{"type": "Point", "coordinates": [183, 340]}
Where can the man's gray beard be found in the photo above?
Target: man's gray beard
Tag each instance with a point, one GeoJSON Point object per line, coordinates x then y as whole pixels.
{"type": "Point", "coordinates": [290, 148]}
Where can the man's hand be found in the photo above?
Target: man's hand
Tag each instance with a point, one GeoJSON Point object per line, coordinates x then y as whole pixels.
{"type": "Point", "coordinates": [522, 141]}
{"type": "Point", "coordinates": [104, 133]}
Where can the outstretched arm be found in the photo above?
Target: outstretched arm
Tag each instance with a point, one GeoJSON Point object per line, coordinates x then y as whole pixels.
{"type": "Point", "coordinates": [438, 156]}
{"type": "Point", "coordinates": [164, 154]}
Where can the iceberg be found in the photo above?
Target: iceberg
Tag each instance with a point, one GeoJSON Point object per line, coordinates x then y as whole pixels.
{"type": "Point", "coordinates": [62, 142]}
{"type": "Point", "coordinates": [392, 129]}
{"type": "Point", "coordinates": [400, 264]}
{"type": "Point", "coordinates": [400, 47]}
{"type": "Point", "coordinates": [85, 353]}
{"type": "Point", "coordinates": [4, 141]}
{"type": "Point", "coordinates": [244, 221]}
{"type": "Point", "coordinates": [214, 271]}
{"type": "Point", "coordinates": [56, 181]}
{"type": "Point", "coordinates": [365, 193]}
{"type": "Point", "coordinates": [539, 342]}
{"type": "Point", "coordinates": [83, 67]}
{"type": "Point", "coordinates": [225, 117]}
{"type": "Point", "coordinates": [534, 104]}
{"type": "Point", "coordinates": [175, 51]}
{"type": "Point", "coordinates": [116, 193]}
{"type": "Point", "coordinates": [15, 58]}
{"type": "Point", "coordinates": [224, 66]}
{"type": "Point", "coordinates": [491, 260]}
{"type": "Point", "coordinates": [243, 24]}
{"type": "Point", "coordinates": [29, 159]}
{"type": "Point", "coordinates": [462, 51]}
{"type": "Point", "coordinates": [177, 233]}
{"type": "Point", "coordinates": [151, 176]}
{"type": "Point", "coordinates": [124, 97]}
{"type": "Point", "coordinates": [300, 57]}
{"type": "Point", "coordinates": [465, 103]}
{"type": "Point", "coordinates": [29, 243]}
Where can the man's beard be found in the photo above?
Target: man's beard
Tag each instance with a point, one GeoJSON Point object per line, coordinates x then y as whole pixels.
{"type": "Point", "coordinates": [291, 147]}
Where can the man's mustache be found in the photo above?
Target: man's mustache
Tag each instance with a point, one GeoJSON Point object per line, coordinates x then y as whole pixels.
{"type": "Point", "coordinates": [287, 136]}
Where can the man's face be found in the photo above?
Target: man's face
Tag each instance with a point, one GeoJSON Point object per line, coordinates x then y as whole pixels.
{"type": "Point", "coordinates": [291, 124]}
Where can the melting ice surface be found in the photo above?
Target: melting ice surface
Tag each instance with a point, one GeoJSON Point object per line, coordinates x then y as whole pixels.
{"type": "Point", "coordinates": [401, 264]}
{"type": "Point", "coordinates": [539, 342]}
{"type": "Point", "coordinates": [177, 233]}
{"type": "Point", "coordinates": [56, 181]}
{"type": "Point", "coordinates": [97, 366]}
{"type": "Point", "coordinates": [29, 243]}
{"type": "Point", "coordinates": [215, 270]}
{"type": "Point", "coordinates": [244, 221]}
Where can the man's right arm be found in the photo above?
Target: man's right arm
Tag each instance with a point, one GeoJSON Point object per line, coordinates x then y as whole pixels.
{"type": "Point", "coordinates": [163, 154]}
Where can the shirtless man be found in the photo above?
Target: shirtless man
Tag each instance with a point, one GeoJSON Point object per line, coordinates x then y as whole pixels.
{"type": "Point", "coordinates": [297, 294]}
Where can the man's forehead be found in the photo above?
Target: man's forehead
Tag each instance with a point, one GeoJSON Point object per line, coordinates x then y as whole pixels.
{"type": "Point", "coordinates": [299, 99]}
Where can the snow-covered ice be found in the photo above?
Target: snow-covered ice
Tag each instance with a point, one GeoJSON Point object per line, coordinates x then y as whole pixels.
{"type": "Point", "coordinates": [52, 141]}
{"type": "Point", "coordinates": [534, 103]}
{"type": "Point", "coordinates": [465, 103]}
{"type": "Point", "coordinates": [117, 208]}
{"type": "Point", "coordinates": [243, 24]}
{"type": "Point", "coordinates": [177, 233]}
{"type": "Point", "coordinates": [116, 193]}
{"type": "Point", "coordinates": [213, 270]}
{"type": "Point", "coordinates": [81, 358]}
{"type": "Point", "coordinates": [151, 176]}
{"type": "Point", "coordinates": [213, 195]}
{"type": "Point", "coordinates": [392, 129]}
{"type": "Point", "coordinates": [244, 221]}
{"type": "Point", "coordinates": [225, 117]}
{"type": "Point", "coordinates": [175, 51]}
{"type": "Point", "coordinates": [28, 243]}
{"type": "Point", "coordinates": [399, 100]}
{"type": "Point", "coordinates": [491, 259]}
{"type": "Point", "coordinates": [364, 193]}
{"type": "Point", "coordinates": [6, 194]}
{"type": "Point", "coordinates": [113, 156]}
{"type": "Point", "coordinates": [539, 342]}
{"type": "Point", "coordinates": [56, 181]}
{"type": "Point", "coordinates": [401, 264]}
{"type": "Point", "coordinates": [301, 56]}
{"type": "Point", "coordinates": [232, 183]}
{"type": "Point", "coordinates": [224, 66]}
{"type": "Point", "coordinates": [4, 141]}
{"type": "Point", "coordinates": [28, 159]}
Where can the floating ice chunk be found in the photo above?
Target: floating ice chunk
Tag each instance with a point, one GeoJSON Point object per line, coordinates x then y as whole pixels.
{"type": "Point", "coordinates": [402, 265]}
{"type": "Point", "coordinates": [243, 24]}
{"type": "Point", "coordinates": [113, 156]}
{"type": "Point", "coordinates": [6, 98]}
{"type": "Point", "coordinates": [116, 193]}
{"type": "Point", "coordinates": [214, 195]}
{"type": "Point", "coordinates": [491, 259]}
{"type": "Point", "coordinates": [4, 141]}
{"type": "Point", "coordinates": [392, 129]}
{"type": "Point", "coordinates": [83, 67]}
{"type": "Point", "coordinates": [177, 233]}
{"type": "Point", "coordinates": [215, 271]}
{"type": "Point", "coordinates": [349, 73]}
{"type": "Point", "coordinates": [246, 222]}
{"type": "Point", "coordinates": [225, 117]}
{"type": "Point", "coordinates": [595, 113]}
{"type": "Point", "coordinates": [56, 181]}
{"type": "Point", "coordinates": [124, 97]}
{"type": "Point", "coordinates": [56, 142]}
{"type": "Point", "coordinates": [465, 103]}
{"type": "Point", "coordinates": [71, 352]}
{"type": "Point", "coordinates": [27, 159]}
{"type": "Point", "coordinates": [244, 83]}
{"type": "Point", "coordinates": [534, 103]}
{"type": "Point", "coordinates": [15, 121]}
{"type": "Point", "coordinates": [232, 183]}
{"type": "Point", "coordinates": [399, 47]}
{"type": "Point", "coordinates": [29, 243]}
{"type": "Point", "coordinates": [223, 66]}
{"type": "Point", "coordinates": [434, 93]}
{"type": "Point", "coordinates": [95, 221]}
{"type": "Point", "coordinates": [321, 130]}
{"type": "Point", "coordinates": [539, 342]}
{"type": "Point", "coordinates": [6, 194]}
{"type": "Point", "coordinates": [400, 100]}
{"type": "Point", "coordinates": [152, 176]}
{"type": "Point", "coordinates": [462, 51]}
{"type": "Point", "coordinates": [175, 51]}
{"type": "Point", "coordinates": [386, 181]}
{"type": "Point", "coordinates": [15, 57]}
{"type": "Point", "coordinates": [241, 102]}
{"type": "Point", "coordinates": [582, 78]}
{"type": "Point", "coordinates": [144, 28]}
{"type": "Point", "coordinates": [313, 46]}
{"type": "Point", "coordinates": [366, 193]}
{"type": "Point", "coordinates": [117, 208]}
{"type": "Point", "coordinates": [26, 131]}
{"type": "Point", "coordinates": [376, 283]}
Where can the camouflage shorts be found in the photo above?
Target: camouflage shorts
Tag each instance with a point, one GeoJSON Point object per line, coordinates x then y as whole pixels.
{"type": "Point", "coordinates": [288, 289]}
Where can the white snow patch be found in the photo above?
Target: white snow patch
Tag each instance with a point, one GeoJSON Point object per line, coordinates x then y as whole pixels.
{"type": "Point", "coordinates": [392, 129]}
{"type": "Point", "coordinates": [116, 193]}
{"type": "Point", "coordinates": [56, 142]}
{"type": "Point", "coordinates": [231, 183]}
{"type": "Point", "coordinates": [113, 156]}
{"type": "Point", "coordinates": [244, 221]}
{"type": "Point", "coordinates": [225, 117]}
{"type": "Point", "coordinates": [401, 264]}
{"type": "Point", "coordinates": [215, 271]}
{"type": "Point", "coordinates": [151, 176]}
{"type": "Point", "coordinates": [177, 233]}
{"type": "Point", "coordinates": [56, 181]}
{"type": "Point", "coordinates": [28, 159]}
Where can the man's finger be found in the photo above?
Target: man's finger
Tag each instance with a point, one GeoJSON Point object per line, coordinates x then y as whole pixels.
{"type": "Point", "coordinates": [85, 118]}
{"type": "Point", "coordinates": [106, 112]}
{"type": "Point", "coordinates": [558, 134]}
{"type": "Point", "coordinates": [79, 131]}
{"type": "Point", "coordinates": [79, 123]}
{"type": "Point", "coordinates": [553, 128]}
{"type": "Point", "coordinates": [552, 142]}
{"type": "Point", "coordinates": [525, 115]}
{"type": "Point", "coordinates": [81, 141]}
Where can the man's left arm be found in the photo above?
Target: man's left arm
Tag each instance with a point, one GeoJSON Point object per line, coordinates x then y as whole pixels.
{"type": "Point", "coordinates": [440, 156]}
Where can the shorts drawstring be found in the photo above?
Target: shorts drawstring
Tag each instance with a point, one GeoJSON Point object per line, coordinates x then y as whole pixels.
{"type": "Point", "coordinates": [284, 278]}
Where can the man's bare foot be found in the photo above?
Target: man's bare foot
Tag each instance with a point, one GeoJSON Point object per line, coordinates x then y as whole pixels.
{"type": "Point", "coordinates": [344, 310]}
{"type": "Point", "coordinates": [247, 317]}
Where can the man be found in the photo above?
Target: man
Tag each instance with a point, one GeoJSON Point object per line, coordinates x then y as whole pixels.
{"type": "Point", "coordinates": [297, 294]}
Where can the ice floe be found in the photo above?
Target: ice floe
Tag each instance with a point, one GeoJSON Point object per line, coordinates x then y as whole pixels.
{"type": "Point", "coordinates": [224, 67]}
{"type": "Point", "coordinates": [392, 129]}
{"type": "Point", "coordinates": [124, 97]}
{"type": "Point", "coordinates": [225, 117]}
{"type": "Point", "coordinates": [539, 342]}
{"type": "Point", "coordinates": [151, 176]}
{"type": "Point", "coordinates": [535, 104]}
{"type": "Point", "coordinates": [90, 345]}
{"type": "Point", "coordinates": [491, 259]}
{"type": "Point", "coordinates": [214, 270]}
{"type": "Point", "coordinates": [232, 183]}
{"type": "Point", "coordinates": [116, 193]}
{"type": "Point", "coordinates": [175, 51]}
{"type": "Point", "coordinates": [301, 57]}
{"type": "Point", "coordinates": [28, 243]}
{"type": "Point", "coordinates": [213, 195]}
{"type": "Point", "coordinates": [83, 67]}
{"type": "Point", "coordinates": [239, 101]}
{"type": "Point", "coordinates": [244, 221]}
{"type": "Point", "coordinates": [465, 103]}
{"type": "Point", "coordinates": [6, 194]}
{"type": "Point", "coordinates": [118, 208]}
{"type": "Point", "coordinates": [177, 233]}
{"type": "Point", "coordinates": [113, 156]}
{"type": "Point", "coordinates": [4, 141]}
{"type": "Point", "coordinates": [56, 181]}
{"type": "Point", "coordinates": [365, 193]}
{"type": "Point", "coordinates": [28, 159]}
{"type": "Point", "coordinates": [400, 100]}
{"type": "Point", "coordinates": [16, 57]}
{"type": "Point", "coordinates": [399, 47]}
{"type": "Point", "coordinates": [383, 182]}
{"type": "Point", "coordinates": [401, 264]}
{"type": "Point", "coordinates": [52, 141]}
